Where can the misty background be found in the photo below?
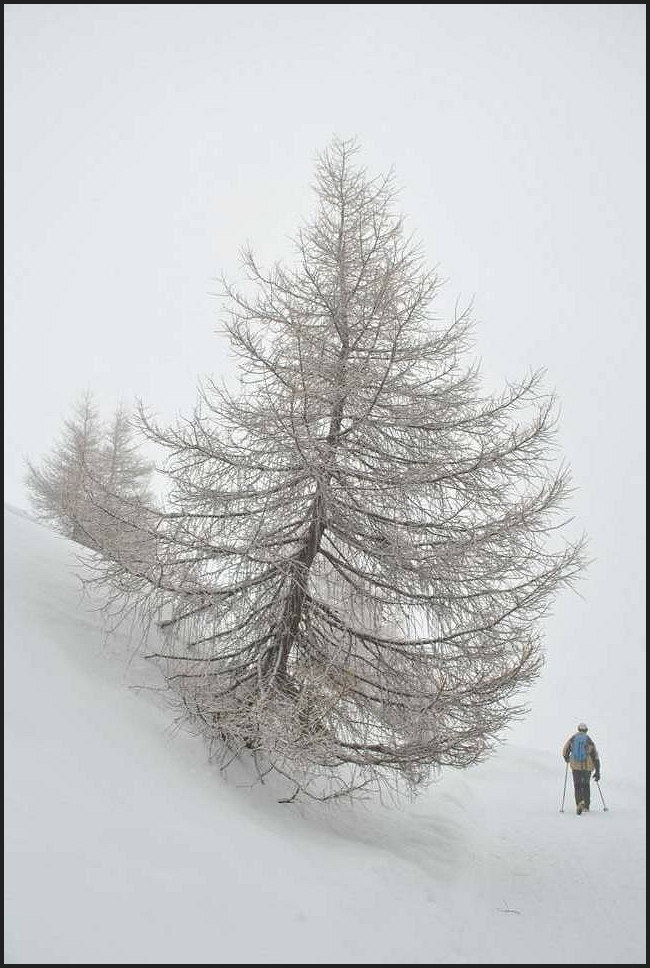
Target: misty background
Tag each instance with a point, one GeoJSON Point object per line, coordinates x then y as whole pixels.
{"type": "Point", "coordinates": [146, 143]}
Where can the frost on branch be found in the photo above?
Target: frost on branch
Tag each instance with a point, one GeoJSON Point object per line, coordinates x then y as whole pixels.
{"type": "Point", "coordinates": [359, 545]}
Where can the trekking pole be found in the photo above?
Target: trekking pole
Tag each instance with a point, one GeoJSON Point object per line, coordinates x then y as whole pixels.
{"type": "Point", "coordinates": [566, 773]}
{"type": "Point", "coordinates": [601, 794]}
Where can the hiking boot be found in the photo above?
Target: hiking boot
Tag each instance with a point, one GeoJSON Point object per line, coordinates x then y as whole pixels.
{"type": "Point", "coordinates": [580, 808]}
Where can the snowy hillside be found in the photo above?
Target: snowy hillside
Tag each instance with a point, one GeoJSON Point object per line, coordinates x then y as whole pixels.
{"type": "Point", "coordinates": [123, 845]}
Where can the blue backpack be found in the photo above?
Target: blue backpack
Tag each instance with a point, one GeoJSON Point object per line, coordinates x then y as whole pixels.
{"type": "Point", "coordinates": [579, 747]}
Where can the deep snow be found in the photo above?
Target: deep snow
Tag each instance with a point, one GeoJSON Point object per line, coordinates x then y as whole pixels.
{"type": "Point", "coordinates": [124, 845]}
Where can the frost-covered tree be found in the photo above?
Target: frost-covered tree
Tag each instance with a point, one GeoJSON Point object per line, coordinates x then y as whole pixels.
{"type": "Point", "coordinates": [58, 486]}
{"type": "Point", "coordinates": [360, 544]}
{"type": "Point", "coordinates": [94, 485]}
{"type": "Point", "coordinates": [125, 471]}
{"type": "Point", "coordinates": [123, 505]}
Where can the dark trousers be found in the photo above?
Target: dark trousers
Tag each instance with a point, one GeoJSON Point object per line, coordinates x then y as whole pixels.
{"type": "Point", "coordinates": [581, 785]}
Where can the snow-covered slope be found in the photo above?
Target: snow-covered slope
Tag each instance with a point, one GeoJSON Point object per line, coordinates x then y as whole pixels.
{"type": "Point", "coordinates": [124, 845]}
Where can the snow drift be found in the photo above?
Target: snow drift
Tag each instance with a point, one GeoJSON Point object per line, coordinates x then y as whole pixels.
{"type": "Point", "coordinates": [124, 845]}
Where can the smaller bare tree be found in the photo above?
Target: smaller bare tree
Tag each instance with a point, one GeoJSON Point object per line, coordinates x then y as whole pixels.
{"type": "Point", "coordinates": [94, 487]}
{"type": "Point", "coordinates": [58, 486]}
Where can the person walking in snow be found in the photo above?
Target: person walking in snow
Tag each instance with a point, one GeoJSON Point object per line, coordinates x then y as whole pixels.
{"type": "Point", "coordinates": [581, 754]}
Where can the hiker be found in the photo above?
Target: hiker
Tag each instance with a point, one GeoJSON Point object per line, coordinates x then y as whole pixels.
{"type": "Point", "coordinates": [581, 754]}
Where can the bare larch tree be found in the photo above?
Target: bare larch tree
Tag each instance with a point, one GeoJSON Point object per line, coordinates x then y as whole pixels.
{"type": "Point", "coordinates": [57, 486]}
{"type": "Point", "coordinates": [121, 502]}
{"type": "Point", "coordinates": [359, 546]}
{"type": "Point", "coordinates": [93, 487]}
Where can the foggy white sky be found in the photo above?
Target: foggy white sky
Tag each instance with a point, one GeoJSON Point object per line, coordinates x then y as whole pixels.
{"type": "Point", "coordinates": [145, 143]}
